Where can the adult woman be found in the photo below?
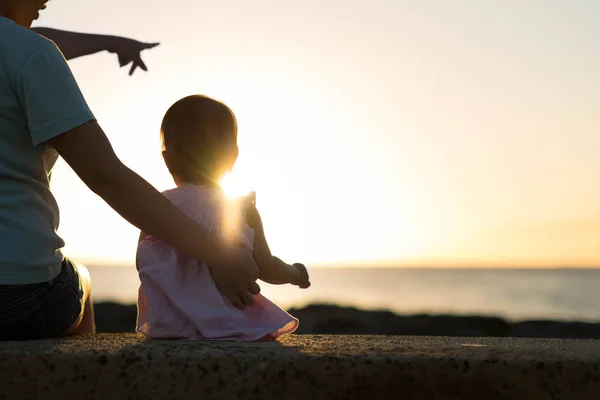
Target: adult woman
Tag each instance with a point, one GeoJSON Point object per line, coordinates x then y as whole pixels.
{"type": "Point", "coordinates": [42, 294]}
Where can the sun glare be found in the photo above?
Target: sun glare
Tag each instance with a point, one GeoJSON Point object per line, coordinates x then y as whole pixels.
{"type": "Point", "coordinates": [231, 187]}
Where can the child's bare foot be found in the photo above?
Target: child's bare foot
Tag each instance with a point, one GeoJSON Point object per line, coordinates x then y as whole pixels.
{"type": "Point", "coordinates": [303, 280]}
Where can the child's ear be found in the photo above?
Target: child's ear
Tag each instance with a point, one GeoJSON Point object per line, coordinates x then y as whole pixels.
{"type": "Point", "coordinates": [167, 158]}
{"type": "Point", "coordinates": [169, 162]}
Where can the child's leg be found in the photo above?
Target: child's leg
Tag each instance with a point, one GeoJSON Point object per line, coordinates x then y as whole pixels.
{"type": "Point", "coordinates": [87, 322]}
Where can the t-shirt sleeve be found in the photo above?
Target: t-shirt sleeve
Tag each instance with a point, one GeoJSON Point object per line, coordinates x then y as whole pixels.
{"type": "Point", "coordinates": [49, 95]}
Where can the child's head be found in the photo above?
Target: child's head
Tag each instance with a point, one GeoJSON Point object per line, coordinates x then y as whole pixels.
{"type": "Point", "coordinates": [199, 140]}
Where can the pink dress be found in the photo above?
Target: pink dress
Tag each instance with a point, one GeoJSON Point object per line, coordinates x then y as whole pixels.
{"type": "Point", "coordinates": [178, 298]}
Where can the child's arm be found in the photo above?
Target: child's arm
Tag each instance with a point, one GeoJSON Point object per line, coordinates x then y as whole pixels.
{"type": "Point", "coordinates": [75, 44]}
{"type": "Point", "coordinates": [261, 251]}
{"type": "Point", "coordinates": [270, 268]}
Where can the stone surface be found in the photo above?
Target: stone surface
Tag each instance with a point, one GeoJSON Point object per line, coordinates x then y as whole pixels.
{"type": "Point", "coordinates": [301, 367]}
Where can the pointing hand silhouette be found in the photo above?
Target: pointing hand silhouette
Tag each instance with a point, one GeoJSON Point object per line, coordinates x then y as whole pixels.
{"type": "Point", "coordinates": [129, 51]}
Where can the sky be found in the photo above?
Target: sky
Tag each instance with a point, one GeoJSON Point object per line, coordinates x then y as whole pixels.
{"type": "Point", "coordinates": [434, 133]}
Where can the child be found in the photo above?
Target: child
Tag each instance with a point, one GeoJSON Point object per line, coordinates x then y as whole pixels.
{"type": "Point", "coordinates": [178, 298]}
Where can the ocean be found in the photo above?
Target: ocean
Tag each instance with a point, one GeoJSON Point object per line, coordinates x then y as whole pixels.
{"type": "Point", "coordinates": [515, 294]}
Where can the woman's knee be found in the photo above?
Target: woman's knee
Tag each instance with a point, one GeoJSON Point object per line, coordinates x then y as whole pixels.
{"type": "Point", "coordinates": [85, 323]}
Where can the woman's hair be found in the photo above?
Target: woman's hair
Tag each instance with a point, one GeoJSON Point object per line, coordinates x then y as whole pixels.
{"type": "Point", "coordinates": [199, 137]}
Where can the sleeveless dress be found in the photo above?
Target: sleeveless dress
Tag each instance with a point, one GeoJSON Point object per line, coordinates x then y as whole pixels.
{"type": "Point", "coordinates": [178, 298]}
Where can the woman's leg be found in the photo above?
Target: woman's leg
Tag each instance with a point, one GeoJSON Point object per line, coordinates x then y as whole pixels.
{"type": "Point", "coordinates": [86, 322]}
{"type": "Point", "coordinates": [48, 309]}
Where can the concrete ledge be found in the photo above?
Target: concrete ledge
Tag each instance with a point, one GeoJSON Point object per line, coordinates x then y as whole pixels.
{"type": "Point", "coordinates": [301, 367]}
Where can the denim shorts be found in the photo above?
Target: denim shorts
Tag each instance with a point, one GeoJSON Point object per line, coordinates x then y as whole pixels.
{"type": "Point", "coordinates": [41, 310]}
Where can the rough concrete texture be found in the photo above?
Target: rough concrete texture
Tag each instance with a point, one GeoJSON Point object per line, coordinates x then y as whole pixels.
{"type": "Point", "coordinates": [301, 367]}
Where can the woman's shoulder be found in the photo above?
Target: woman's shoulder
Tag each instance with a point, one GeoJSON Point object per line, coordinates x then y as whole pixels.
{"type": "Point", "coordinates": [20, 43]}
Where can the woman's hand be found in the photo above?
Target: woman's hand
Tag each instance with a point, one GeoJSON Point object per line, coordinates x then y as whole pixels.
{"type": "Point", "coordinates": [235, 274]}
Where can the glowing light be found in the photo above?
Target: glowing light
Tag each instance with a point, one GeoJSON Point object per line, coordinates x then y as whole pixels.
{"type": "Point", "coordinates": [229, 186]}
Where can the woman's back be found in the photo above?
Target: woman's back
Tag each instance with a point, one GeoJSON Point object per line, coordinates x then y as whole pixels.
{"type": "Point", "coordinates": [29, 246]}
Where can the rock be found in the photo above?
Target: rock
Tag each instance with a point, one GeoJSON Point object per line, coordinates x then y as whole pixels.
{"type": "Point", "coordinates": [556, 329]}
{"type": "Point", "coordinates": [332, 319]}
{"type": "Point", "coordinates": [115, 318]}
{"type": "Point", "coordinates": [298, 367]}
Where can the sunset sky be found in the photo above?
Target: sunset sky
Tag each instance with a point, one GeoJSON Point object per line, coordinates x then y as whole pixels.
{"type": "Point", "coordinates": [447, 132]}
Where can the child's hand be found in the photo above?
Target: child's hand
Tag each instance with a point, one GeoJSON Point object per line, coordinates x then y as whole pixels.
{"type": "Point", "coordinates": [253, 218]}
{"type": "Point", "coordinates": [303, 279]}
{"type": "Point", "coordinates": [251, 198]}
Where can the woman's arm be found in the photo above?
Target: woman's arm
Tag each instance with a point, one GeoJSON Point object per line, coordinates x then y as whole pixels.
{"type": "Point", "coordinates": [75, 44]}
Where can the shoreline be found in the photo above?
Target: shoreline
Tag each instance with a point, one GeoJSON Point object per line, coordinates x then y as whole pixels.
{"type": "Point", "coordinates": [112, 317]}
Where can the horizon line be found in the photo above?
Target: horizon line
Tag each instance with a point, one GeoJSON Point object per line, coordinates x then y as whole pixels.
{"type": "Point", "coordinates": [390, 265]}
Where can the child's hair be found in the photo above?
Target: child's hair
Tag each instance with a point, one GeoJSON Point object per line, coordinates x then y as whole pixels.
{"type": "Point", "coordinates": [199, 139]}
